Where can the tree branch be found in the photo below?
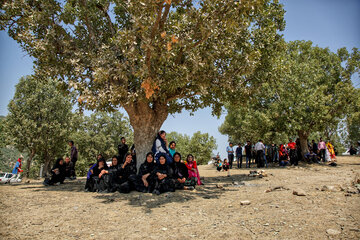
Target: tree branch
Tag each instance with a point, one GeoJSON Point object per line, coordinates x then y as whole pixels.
{"type": "Point", "coordinates": [152, 36]}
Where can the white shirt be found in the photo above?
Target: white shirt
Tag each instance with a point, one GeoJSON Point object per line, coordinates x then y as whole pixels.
{"type": "Point", "coordinates": [259, 146]}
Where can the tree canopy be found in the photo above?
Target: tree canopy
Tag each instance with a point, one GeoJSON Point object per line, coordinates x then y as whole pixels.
{"type": "Point", "coordinates": [149, 57]}
{"type": "Point", "coordinates": [311, 90]}
{"type": "Point", "coordinates": [99, 133]}
{"type": "Point", "coordinates": [200, 145]}
{"type": "Point", "coordinates": [39, 119]}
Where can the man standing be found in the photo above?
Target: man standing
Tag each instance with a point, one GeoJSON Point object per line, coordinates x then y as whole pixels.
{"type": "Point", "coordinates": [248, 153]}
{"type": "Point", "coordinates": [68, 168]}
{"type": "Point", "coordinates": [314, 147]}
{"type": "Point", "coordinates": [292, 147]}
{"type": "Point", "coordinates": [322, 148]}
{"type": "Point", "coordinates": [123, 148]}
{"type": "Point", "coordinates": [230, 151]}
{"type": "Point", "coordinates": [73, 158]}
{"type": "Point", "coordinates": [260, 149]}
{"type": "Point", "coordinates": [275, 153]}
{"type": "Point", "coordinates": [239, 155]}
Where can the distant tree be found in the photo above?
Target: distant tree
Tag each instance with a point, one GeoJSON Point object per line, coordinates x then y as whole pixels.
{"type": "Point", "coordinates": [311, 91]}
{"type": "Point", "coordinates": [151, 57]}
{"type": "Point", "coordinates": [2, 132]}
{"type": "Point", "coordinates": [39, 120]}
{"type": "Point", "coordinates": [353, 121]}
{"type": "Point", "coordinates": [99, 133]}
{"type": "Point", "coordinates": [201, 145]}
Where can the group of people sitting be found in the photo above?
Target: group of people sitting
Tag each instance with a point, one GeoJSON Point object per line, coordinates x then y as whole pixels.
{"type": "Point", "coordinates": [163, 170]}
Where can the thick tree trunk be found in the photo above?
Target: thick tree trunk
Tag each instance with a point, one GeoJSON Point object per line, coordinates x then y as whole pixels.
{"type": "Point", "coordinates": [146, 122]}
{"type": "Point", "coordinates": [28, 163]}
{"type": "Point", "coordinates": [47, 166]}
{"type": "Point", "coordinates": [303, 137]}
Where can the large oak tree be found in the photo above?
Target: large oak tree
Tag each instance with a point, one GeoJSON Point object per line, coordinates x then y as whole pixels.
{"type": "Point", "coordinates": [151, 57]}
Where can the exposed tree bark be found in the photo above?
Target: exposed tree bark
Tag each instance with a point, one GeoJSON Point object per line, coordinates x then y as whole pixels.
{"type": "Point", "coordinates": [28, 163]}
{"type": "Point", "coordinates": [46, 164]}
{"type": "Point", "coordinates": [146, 122]}
{"type": "Point", "coordinates": [303, 137]}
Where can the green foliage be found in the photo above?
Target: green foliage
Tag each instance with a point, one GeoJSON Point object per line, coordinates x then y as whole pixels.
{"type": "Point", "coordinates": [98, 133]}
{"type": "Point", "coordinates": [353, 121]}
{"type": "Point", "coordinates": [151, 57]}
{"type": "Point", "coordinates": [200, 145]}
{"type": "Point", "coordinates": [311, 92]}
{"type": "Point", "coordinates": [2, 132]}
{"type": "Point", "coordinates": [117, 52]}
{"type": "Point", "coordinates": [39, 119]}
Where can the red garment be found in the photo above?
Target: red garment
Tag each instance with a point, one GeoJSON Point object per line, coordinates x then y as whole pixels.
{"type": "Point", "coordinates": [292, 145]}
{"type": "Point", "coordinates": [189, 167]}
{"type": "Point", "coordinates": [19, 160]}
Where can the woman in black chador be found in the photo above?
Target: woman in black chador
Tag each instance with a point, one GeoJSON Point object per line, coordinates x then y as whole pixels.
{"type": "Point", "coordinates": [143, 181]}
{"type": "Point", "coordinates": [110, 181]}
{"type": "Point", "coordinates": [96, 183]}
{"type": "Point", "coordinates": [181, 173]}
{"type": "Point", "coordinates": [57, 173]}
{"type": "Point", "coordinates": [127, 172]}
{"type": "Point", "coordinates": [162, 177]}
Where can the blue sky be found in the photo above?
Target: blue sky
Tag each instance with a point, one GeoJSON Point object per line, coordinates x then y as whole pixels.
{"type": "Point", "coordinates": [327, 23]}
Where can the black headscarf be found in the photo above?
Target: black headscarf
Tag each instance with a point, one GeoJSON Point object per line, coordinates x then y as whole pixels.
{"type": "Point", "coordinates": [59, 166]}
{"type": "Point", "coordinates": [147, 167]}
{"type": "Point", "coordinates": [180, 170]}
{"type": "Point", "coordinates": [163, 168]}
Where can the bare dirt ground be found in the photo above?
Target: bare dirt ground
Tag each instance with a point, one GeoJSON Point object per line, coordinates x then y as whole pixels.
{"type": "Point", "coordinates": [212, 211]}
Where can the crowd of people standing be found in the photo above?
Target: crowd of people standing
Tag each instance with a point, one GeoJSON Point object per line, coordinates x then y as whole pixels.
{"type": "Point", "coordinates": [262, 155]}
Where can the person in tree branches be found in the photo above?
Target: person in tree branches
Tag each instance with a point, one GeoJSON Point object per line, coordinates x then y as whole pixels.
{"type": "Point", "coordinates": [123, 148]}
{"type": "Point", "coordinates": [143, 181]}
{"type": "Point", "coordinates": [181, 174]}
{"type": "Point", "coordinates": [159, 147]}
{"type": "Point", "coordinates": [57, 173]}
{"type": "Point", "coordinates": [162, 175]}
{"type": "Point", "coordinates": [192, 168]}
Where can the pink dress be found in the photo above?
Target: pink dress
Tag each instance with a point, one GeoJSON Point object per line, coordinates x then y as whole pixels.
{"type": "Point", "coordinates": [190, 165]}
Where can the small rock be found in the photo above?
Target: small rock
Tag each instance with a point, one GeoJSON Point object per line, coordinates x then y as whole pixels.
{"type": "Point", "coordinates": [246, 202]}
{"type": "Point", "coordinates": [352, 190]}
{"type": "Point", "coordinates": [332, 232]}
{"type": "Point", "coordinates": [164, 229]}
{"type": "Point", "coordinates": [235, 183]}
{"type": "Point", "coordinates": [218, 185]}
{"type": "Point", "coordinates": [328, 188]}
{"type": "Point", "coordinates": [266, 224]}
{"type": "Point", "coordinates": [299, 192]}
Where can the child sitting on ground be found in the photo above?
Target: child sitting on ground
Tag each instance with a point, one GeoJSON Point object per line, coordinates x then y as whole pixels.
{"type": "Point", "coordinates": [226, 165]}
{"type": "Point", "coordinates": [219, 165]}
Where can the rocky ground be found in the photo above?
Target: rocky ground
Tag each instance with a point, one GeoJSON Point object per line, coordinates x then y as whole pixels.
{"type": "Point", "coordinates": [305, 202]}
